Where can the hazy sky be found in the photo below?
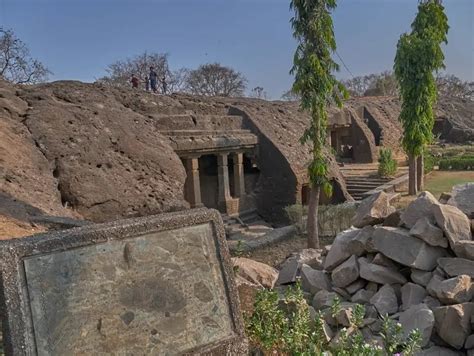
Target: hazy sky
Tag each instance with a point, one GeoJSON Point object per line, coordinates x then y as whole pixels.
{"type": "Point", "coordinates": [76, 39]}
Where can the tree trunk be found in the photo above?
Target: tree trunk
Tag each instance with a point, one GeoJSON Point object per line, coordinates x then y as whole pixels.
{"type": "Point", "coordinates": [312, 225]}
{"type": "Point", "coordinates": [412, 175]}
{"type": "Point", "coordinates": [420, 167]}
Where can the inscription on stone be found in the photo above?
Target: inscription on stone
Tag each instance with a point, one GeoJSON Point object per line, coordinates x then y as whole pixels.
{"type": "Point", "coordinates": [160, 293]}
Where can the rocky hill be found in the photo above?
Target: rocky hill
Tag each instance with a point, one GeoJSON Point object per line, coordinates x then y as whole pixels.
{"type": "Point", "coordinates": [93, 152]}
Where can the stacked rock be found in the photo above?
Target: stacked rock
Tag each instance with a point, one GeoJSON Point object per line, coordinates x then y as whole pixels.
{"type": "Point", "coordinates": [415, 265]}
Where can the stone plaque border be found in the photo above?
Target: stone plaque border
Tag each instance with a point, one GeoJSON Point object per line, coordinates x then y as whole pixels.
{"type": "Point", "coordinates": [18, 334]}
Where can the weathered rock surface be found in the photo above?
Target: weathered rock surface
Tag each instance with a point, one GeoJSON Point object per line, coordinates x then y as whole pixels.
{"type": "Point", "coordinates": [362, 296]}
{"type": "Point", "coordinates": [255, 272]}
{"type": "Point", "coordinates": [429, 233]}
{"type": "Point", "coordinates": [465, 249]}
{"type": "Point", "coordinates": [407, 250]}
{"type": "Point", "coordinates": [324, 299]}
{"type": "Point", "coordinates": [438, 351]}
{"type": "Point", "coordinates": [379, 274]}
{"type": "Point", "coordinates": [453, 323]}
{"type": "Point", "coordinates": [454, 290]}
{"type": "Point", "coordinates": [462, 197]}
{"type": "Point", "coordinates": [457, 266]}
{"type": "Point", "coordinates": [385, 300]}
{"type": "Point", "coordinates": [419, 208]}
{"type": "Point", "coordinates": [421, 277]}
{"type": "Point", "coordinates": [412, 294]}
{"type": "Point", "coordinates": [453, 222]}
{"type": "Point", "coordinates": [340, 250]}
{"type": "Point", "coordinates": [418, 317]}
{"type": "Point", "coordinates": [346, 273]}
{"type": "Point", "coordinates": [373, 210]}
{"type": "Point", "coordinates": [362, 242]}
{"type": "Point", "coordinates": [313, 280]}
{"type": "Point", "coordinates": [354, 287]}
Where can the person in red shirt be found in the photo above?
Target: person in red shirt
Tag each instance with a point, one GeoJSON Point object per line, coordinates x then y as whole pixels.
{"type": "Point", "coordinates": [134, 81]}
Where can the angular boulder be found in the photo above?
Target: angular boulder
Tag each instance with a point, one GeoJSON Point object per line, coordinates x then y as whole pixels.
{"type": "Point", "coordinates": [290, 268]}
{"type": "Point", "coordinates": [362, 296]}
{"type": "Point", "coordinates": [394, 219]}
{"type": "Point", "coordinates": [456, 266]}
{"type": "Point", "coordinates": [418, 208]}
{"type": "Point", "coordinates": [465, 249]}
{"type": "Point", "coordinates": [362, 242]}
{"type": "Point", "coordinates": [462, 197]}
{"type": "Point", "coordinates": [412, 294]}
{"type": "Point", "coordinates": [357, 285]}
{"type": "Point", "coordinates": [255, 272]}
{"type": "Point", "coordinates": [454, 290]}
{"type": "Point", "coordinates": [385, 300]}
{"type": "Point", "coordinates": [453, 323]}
{"type": "Point", "coordinates": [379, 274]}
{"type": "Point", "coordinates": [340, 250]}
{"type": "Point", "coordinates": [421, 277]}
{"type": "Point", "coordinates": [453, 222]}
{"type": "Point", "coordinates": [346, 273]}
{"type": "Point", "coordinates": [313, 280]}
{"type": "Point", "coordinates": [323, 299]}
{"type": "Point", "coordinates": [398, 245]}
{"type": "Point", "coordinates": [425, 230]}
{"type": "Point", "coordinates": [373, 210]}
{"type": "Point", "coordinates": [418, 317]}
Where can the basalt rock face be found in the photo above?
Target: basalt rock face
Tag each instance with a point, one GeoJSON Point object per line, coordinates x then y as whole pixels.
{"type": "Point", "coordinates": [400, 272]}
{"type": "Point", "coordinates": [77, 151]}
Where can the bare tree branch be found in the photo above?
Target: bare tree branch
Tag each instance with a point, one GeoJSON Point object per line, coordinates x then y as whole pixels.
{"type": "Point", "coordinates": [16, 63]}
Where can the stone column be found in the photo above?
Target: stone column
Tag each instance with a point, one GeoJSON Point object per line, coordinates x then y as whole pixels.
{"type": "Point", "coordinates": [239, 180]}
{"type": "Point", "coordinates": [223, 179]}
{"type": "Point", "coordinates": [193, 184]}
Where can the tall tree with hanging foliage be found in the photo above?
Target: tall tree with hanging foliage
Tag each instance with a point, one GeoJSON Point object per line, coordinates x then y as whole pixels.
{"type": "Point", "coordinates": [317, 87]}
{"type": "Point", "coordinates": [419, 56]}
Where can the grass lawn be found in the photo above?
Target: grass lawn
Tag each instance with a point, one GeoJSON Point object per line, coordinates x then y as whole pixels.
{"type": "Point", "coordinates": [443, 181]}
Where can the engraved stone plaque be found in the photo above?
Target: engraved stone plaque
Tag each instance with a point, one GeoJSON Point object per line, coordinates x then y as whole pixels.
{"type": "Point", "coordinates": [153, 292]}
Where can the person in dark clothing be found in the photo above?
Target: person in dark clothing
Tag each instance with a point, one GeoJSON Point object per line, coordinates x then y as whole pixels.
{"type": "Point", "coordinates": [164, 85]}
{"type": "Point", "coordinates": [153, 79]}
{"type": "Point", "coordinates": [147, 83]}
{"type": "Point", "coordinates": [134, 81]}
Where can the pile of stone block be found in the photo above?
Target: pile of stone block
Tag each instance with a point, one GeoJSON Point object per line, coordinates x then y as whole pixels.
{"type": "Point", "coordinates": [414, 265]}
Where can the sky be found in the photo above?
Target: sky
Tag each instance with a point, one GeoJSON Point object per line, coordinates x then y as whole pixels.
{"type": "Point", "coordinates": [77, 39]}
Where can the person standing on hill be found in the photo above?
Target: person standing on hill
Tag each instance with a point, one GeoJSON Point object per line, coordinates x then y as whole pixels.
{"type": "Point", "coordinates": [153, 79]}
{"type": "Point", "coordinates": [134, 81]}
{"type": "Point", "coordinates": [164, 85]}
{"type": "Point", "coordinates": [147, 83]}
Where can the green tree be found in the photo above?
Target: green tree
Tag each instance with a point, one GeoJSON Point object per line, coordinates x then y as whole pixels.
{"type": "Point", "coordinates": [317, 88]}
{"type": "Point", "coordinates": [419, 55]}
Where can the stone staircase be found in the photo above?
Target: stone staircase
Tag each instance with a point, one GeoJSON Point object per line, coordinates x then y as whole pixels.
{"type": "Point", "coordinates": [247, 226]}
{"type": "Point", "coordinates": [361, 178]}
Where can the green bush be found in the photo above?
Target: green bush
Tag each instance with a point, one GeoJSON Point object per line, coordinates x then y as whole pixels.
{"type": "Point", "coordinates": [284, 326]}
{"type": "Point", "coordinates": [465, 163]}
{"type": "Point", "coordinates": [387, 164]}
{"type": "Point", "coordinates": [430, 161]}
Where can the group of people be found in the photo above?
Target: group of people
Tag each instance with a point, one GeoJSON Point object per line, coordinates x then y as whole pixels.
{"type": "Point", "coordinates": [151, 82]}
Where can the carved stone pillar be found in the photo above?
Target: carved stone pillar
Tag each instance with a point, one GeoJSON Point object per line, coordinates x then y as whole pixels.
{"type": "Point", "coordinates": [239, 180]}
{"type": "Point", "coordinates": [223, 180]}
{"type": "Point", "coordinates": [193, 184]}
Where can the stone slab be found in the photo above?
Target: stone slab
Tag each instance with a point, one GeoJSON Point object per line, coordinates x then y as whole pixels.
{"type": "Point", "coordinates": [157, 285]}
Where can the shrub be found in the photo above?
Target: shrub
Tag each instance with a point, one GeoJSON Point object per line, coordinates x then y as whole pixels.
{"type": "Point", "coordinates": [387, 164]}
{"type": "Point", "coordinates": [284, 326]}
{"type": "Point", "coordinates": [464, 163]}
{"type": "Point", "coordinates": [430, 161]}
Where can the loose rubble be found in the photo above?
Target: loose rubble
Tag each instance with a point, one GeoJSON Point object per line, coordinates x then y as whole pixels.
{"type": "Point", "coordinates": [418, 269]}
